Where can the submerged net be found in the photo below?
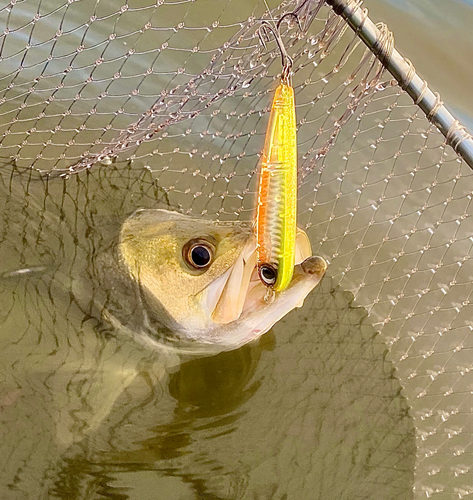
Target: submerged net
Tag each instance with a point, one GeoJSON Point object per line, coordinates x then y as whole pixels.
{"type": "Point", "coordinates": [180, 93]}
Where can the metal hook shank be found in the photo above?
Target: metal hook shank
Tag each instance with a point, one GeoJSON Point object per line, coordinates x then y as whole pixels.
{"type": "Point", "coordinates": [285, 57]}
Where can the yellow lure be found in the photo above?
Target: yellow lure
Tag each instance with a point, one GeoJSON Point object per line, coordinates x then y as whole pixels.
{"type": "Point", "coordinates": [277, 194]}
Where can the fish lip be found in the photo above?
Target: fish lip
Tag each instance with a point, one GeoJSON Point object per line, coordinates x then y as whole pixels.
{"type": "Point", "coordinates": [244, 276]}
{"type": "Point", "coordinates": [259, 317]}
{"type": "Point", "coordinates": [314, 265]}
{"type": "Point", "coordinates": [253, 322]}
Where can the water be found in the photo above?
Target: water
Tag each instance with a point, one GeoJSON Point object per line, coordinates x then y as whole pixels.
{"type": "Point", "coordinates": [436, 36]}
{"type": "Point", "coordinates": [312, 410]}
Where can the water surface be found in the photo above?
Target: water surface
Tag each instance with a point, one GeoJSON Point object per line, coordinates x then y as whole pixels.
{"type": "Point", "coordinates": [312, 410]}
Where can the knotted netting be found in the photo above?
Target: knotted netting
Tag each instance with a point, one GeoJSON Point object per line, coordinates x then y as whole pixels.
{"type": "Point", "coordinates": [180, 91]}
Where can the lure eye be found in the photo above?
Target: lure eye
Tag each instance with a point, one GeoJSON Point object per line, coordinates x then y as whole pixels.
{"type": "Point", "coordinates": [267, 274]}
{"type": "Point", "coordinates": [199, 253]}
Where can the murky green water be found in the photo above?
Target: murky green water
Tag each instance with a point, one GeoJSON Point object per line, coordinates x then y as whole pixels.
{"type": "Point", "coordinates": [312, 410]}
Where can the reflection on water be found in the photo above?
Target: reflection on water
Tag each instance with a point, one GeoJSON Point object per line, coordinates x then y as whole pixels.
{"type": "Point", "coordinates": [312, 410]}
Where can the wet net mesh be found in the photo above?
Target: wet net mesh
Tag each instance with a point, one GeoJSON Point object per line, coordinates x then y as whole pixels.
{"type": "Point", "coordinates": [178, 94]}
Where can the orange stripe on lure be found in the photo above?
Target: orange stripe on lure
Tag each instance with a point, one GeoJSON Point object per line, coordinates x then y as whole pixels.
{"type": "Point", "coordinates": [276, 215]}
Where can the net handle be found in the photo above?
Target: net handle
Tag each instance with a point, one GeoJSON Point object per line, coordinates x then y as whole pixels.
{"type": "Point", "coordinates": [404, 72]}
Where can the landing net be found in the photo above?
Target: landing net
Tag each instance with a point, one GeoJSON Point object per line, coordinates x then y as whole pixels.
{"type": "Point", "coordinates": [182, 91]}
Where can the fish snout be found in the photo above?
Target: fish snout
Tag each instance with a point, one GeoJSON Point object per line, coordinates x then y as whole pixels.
{"type": "Point", "coordinates": [314, 265]}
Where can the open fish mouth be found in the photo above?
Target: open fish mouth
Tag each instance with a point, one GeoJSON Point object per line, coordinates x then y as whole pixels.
{"type": "Point", "coordinates": [199, 278]}
{"type": "Point", "coordinates": [237, 301]}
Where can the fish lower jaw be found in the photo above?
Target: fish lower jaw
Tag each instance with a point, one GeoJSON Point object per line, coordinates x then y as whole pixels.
{"type": "Point", "coordinates": [259, 318]}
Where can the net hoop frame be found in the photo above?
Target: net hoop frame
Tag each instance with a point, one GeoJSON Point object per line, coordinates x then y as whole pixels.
{"type": "Point", "coordinates": [404, 72]}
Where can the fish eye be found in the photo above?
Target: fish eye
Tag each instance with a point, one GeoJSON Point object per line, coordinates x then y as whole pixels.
{"type": "Point", "coordinates": [199, 253]}
{"type": "Point", "coordinates": [268, 274]}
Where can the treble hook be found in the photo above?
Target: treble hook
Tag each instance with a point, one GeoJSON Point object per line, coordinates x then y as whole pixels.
{"type": "Point", "coordinates": [287, 61]}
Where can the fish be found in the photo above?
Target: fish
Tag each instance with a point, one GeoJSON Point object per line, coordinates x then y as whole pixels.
{"type": "Point", "coordinates": [103, 300]}
{"type": "Point", "coordinates": [87, 409]}
{"type": "Point", "coordinates": [276, 217]}
{"type": "Point", "coordinates": [201, 277]}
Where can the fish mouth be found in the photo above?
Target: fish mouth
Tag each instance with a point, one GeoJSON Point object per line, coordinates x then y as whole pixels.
{"type": "Point", "coordinates": [219, 307]}
{"type": "Point", "coordinates": [237, 303]}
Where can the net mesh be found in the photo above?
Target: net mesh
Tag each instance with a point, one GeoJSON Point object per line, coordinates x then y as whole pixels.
{"type": "Point", "coordinates": [179, 93]}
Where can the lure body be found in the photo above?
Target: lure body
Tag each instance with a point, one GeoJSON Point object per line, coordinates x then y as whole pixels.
{"type": "Point", "coordinates": [277, 192]}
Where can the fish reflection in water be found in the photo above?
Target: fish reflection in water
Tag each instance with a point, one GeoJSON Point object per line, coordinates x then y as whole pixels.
{"type": "Point", "coordinates": [310, 410]}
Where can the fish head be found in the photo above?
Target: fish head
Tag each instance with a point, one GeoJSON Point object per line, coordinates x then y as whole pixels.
{"type": "Point", "coordinates": [201, 277]}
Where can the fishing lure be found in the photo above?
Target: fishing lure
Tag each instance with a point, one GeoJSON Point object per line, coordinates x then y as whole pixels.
{"type": "Point", "coordinates": [276, 213]}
